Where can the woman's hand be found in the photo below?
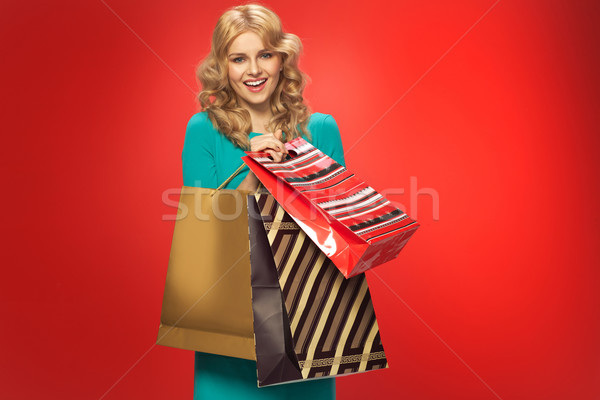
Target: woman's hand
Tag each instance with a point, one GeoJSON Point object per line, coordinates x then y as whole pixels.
{"type": "Point", "coordinates": [270, 143]}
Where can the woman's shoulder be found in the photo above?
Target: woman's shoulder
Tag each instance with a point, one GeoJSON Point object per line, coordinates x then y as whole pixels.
{"type": "Point", "coordinates": [319, 120]}
{"type": "Point", "coordinates": [201, 128]}
{"type": "Point", "coordinates": [200, 120]}
{"type": "Point", "coordinates": [321, 124]}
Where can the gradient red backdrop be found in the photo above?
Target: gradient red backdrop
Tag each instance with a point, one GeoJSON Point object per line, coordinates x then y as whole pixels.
{"type": "Point", "coordinates": [479, 117]}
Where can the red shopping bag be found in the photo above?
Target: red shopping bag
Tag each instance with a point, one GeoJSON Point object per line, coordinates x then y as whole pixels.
{"type": "Point", "coordinates": [354, 225]}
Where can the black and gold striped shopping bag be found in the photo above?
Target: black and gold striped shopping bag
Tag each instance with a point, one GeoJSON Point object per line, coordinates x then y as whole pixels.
{"type": "Point", "coordinates": [332, 325]}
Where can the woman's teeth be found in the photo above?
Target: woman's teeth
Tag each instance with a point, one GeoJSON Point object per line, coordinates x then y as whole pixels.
{"type": "Point", "coordinates": [255, 83]}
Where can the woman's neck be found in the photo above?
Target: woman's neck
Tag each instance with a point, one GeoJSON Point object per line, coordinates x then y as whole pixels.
{"type": "Point", "coordinates": [260, 119]}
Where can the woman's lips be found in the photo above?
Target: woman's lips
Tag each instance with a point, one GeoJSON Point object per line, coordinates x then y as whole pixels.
{"type": "Point", "coordinates": [255, 85]}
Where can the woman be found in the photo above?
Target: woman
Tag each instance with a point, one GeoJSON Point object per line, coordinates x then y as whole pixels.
{"type": "Point", "coordinates": [252, 100]}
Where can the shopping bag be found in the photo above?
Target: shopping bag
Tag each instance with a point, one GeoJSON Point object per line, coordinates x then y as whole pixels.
{"type": "Point", "coordinates": [207, 302]}
{"type": "Point", "coordinates": [221, 294]}
{"type": "Point", "coordinates": [231, 282]}
{"type": "Point", "coordinates": [354, 225]}
{"type": "Point", "coordinates": [276, 360]}
{"type": "Point", "coordinates": [331, 320]}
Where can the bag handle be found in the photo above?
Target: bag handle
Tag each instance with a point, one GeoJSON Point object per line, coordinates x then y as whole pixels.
{"type": "Point", "coordinates": [235, 173]}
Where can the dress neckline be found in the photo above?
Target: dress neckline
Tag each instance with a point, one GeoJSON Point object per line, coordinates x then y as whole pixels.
{"type": "Point", "coordinates": [252, 134]}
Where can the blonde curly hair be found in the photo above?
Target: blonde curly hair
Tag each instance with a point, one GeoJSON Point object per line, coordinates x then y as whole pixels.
{"type": "Point", "coordinates": [219, 100]}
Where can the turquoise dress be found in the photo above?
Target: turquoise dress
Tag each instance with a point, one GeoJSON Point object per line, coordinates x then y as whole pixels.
{"type": "Point", "coordinates": [209, 158]}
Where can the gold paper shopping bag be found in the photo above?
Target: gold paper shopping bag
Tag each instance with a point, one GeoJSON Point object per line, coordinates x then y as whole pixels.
{"type": "Point", "coordinates": [207, 303]}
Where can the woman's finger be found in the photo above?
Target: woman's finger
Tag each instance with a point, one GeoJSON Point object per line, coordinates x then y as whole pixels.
{"type": "Point", "coordinates": [267, 141]}
{"type": "Point", "coordinates": [279, 135]}
{"type": "Point", "coordinates": [275, 155]}
{"type": "Point", "coordinates": [261, 145]}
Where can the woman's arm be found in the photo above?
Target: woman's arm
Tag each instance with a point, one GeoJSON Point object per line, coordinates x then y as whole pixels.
{"type": "Point", "coordinates": [327, 138]}
{"type": "Point", "coordinates": [199, 167]}
{"type": "Point", "coordinates": [250, 183]}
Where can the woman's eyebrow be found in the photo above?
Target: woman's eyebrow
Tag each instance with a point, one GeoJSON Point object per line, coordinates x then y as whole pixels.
{"type": "Point", "coordinates": [243, 54]}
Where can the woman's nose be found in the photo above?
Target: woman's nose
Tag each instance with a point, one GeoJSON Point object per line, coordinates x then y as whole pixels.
{"type": "Point", "coordinates": [254, 67]}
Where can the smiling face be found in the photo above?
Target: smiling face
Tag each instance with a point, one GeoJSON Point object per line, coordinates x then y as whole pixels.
{"type": "Point", "coordinates": [253, 71]}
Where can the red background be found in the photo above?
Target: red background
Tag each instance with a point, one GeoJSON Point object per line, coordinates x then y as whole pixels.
{"type": "Point", "coordinates": [497, 298]}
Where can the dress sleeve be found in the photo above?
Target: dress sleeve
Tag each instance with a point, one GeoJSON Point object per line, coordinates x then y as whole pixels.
{"type": "Point", "coordinates": [329, 140]}
{"type": "Point", "coordinates": [198, 155]}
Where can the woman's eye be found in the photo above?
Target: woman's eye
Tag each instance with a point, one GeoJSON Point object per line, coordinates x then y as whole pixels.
{"type": "Point", "coordinates": [238, 59]}
{"type": "Point", "coordinates": [266, 55]}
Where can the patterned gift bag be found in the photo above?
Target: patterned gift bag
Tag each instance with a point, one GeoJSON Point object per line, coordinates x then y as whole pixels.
{"type": "Point", "coordinates": [354, 225]}
{"type": "Point", "coordinates": [331, 319]}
